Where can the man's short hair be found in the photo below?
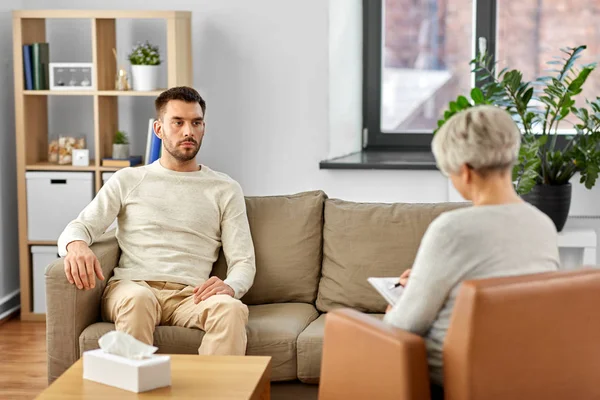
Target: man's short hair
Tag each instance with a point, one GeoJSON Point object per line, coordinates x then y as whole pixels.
{"type": "Point", "coordinates": [183, 93]}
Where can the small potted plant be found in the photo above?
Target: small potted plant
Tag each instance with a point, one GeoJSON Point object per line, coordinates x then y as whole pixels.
{"type": "Point", "coordinates": [120, 146]}
{"type": "Point", "coordinates": [145, 65]}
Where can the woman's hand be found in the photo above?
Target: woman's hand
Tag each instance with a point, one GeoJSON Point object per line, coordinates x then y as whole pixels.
{"type": "Point", "coordinates": [404, 277]}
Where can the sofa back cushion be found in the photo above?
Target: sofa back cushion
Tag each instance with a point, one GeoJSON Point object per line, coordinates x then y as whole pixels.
{"type": "Point", "coordinates": [287, 232]}
{"type": "Point", "coordinates": [361, 240]}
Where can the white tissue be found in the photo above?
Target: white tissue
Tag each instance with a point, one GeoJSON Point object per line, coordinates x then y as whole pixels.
{"type": "Point", "coordinates": [125, 345]}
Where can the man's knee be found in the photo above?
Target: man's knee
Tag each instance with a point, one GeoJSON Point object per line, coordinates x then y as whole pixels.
{"type": "Point", "coordinates": [137, 300]}
{"type": "Point", "coordinates": [229, 308]}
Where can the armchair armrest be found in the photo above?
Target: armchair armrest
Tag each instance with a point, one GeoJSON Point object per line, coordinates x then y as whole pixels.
{"type": "Point", "coordinates": [70, 310]}
{"type": "Point", "coordinates": [364, 358]}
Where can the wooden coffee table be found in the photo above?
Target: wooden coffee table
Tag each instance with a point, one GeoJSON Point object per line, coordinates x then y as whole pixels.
{"type": "Point", "coordinates": [192, 376]}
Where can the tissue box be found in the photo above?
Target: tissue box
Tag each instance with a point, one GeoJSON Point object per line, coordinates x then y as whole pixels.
{"type": "Point", "coordinates": [133, 375]}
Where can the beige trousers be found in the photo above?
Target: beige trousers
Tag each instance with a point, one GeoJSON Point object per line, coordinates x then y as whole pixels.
{"type": "Point", "coordinates": [137, 307]}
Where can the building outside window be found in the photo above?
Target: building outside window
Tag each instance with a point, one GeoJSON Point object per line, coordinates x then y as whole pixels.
{"type": "Point", "coordinates": [417, 55]}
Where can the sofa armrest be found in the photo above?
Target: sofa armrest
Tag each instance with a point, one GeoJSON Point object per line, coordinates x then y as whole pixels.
{"type": "Point", "coordinates": [70, 310]}
{"type": "Point", "coordinates": [364, 358]}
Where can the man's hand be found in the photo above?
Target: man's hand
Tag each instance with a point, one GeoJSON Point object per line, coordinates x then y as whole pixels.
{"type": "Point", "coordinates": [211, 287]}
{"type": "Point", "coordinates": [404, 277]}
{"type": "Point", "coordinates": [81, 265]}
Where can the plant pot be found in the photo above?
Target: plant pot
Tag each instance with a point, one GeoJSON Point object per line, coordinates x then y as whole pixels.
{"type": "Point", "coordinates": [120, 151]}
{"type": "Point", "coordinates": [552, 200]}
{"type": "Point", "coordinates": [145, 77]}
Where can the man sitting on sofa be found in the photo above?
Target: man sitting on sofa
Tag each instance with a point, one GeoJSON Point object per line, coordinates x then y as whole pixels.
{"type": "Point", "coordinates": [173, 217]}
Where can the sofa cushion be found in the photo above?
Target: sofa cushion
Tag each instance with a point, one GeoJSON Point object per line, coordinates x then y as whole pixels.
{"type": "Point", "coordinates": [168, 339]}
{"type": "Point", "coordinates": [273, 330]}
{"type": "Point", "coordinates": [287, 232]}
{"type": "Point", "coordinates": [310, 349]}
{"type": "Point", "coordinates": [361, 240]}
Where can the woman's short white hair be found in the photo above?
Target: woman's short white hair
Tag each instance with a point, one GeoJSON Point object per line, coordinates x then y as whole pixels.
{"type": "Point", "coordinates": [482, 137]}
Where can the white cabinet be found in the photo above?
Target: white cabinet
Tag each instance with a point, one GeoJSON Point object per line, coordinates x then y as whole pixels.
{"type": "Point", "coordinates": [54, 199]}
{"type": "Point", "coordinates": [41, 257]}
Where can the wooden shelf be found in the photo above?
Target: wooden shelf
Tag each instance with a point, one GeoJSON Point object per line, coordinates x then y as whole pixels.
{"type": "Point", "coordinates": [42, 242]}
{"type": "Point", "coordinates": [32, 107]}
{"type": "Point", "coordinates": [47, 166]}
{"type": "Point", "coordinates": [152, 93]}
{"type": "Point", "coordinates": [109, 169]}
{"type": "Point", "coordinates": [101, 14]}
{"type": "Point", "coordinates": [32, 317]}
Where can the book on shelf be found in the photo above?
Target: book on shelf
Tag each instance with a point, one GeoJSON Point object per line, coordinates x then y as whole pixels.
{"type": "Point", "coordinates": [149, 134]}
{"type": "Point", "coordinates": [153, 144]}
{"type": "Point", "coordinates": [28, 66]}
{"type": "Point", "coordinates": [113, 162]}
{"type": "Point", "coordinates": [40, 59]}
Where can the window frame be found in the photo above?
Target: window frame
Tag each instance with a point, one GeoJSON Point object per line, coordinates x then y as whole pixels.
{"type": "Point", "coordinates": [484, 22]}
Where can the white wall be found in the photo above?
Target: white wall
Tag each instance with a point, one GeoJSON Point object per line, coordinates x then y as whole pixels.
{"type": "Point", "coordinates": [282, 80]}
{"type": "Point", "coordinates": [9, 257]}
{"type": "Point", "coordinates": [345, 77]}
{"type": "Point", "coordinates": [278, 100]}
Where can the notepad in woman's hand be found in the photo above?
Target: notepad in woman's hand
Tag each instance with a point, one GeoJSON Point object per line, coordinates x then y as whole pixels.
{"type": "Point", "coordinates": [385, 287]}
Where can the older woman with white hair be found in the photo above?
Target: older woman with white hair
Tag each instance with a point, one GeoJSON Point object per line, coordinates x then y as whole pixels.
{"type": "Point", "coordinates": [500, 235]}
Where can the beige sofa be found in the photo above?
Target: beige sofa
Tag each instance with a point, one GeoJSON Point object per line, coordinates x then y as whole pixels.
{"type": "Point", "coordinates": [313, 255]}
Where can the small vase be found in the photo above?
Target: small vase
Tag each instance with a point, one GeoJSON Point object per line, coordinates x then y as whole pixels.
{"type": "Point", "coordinates": [120, 151]}
{"type": "Point", "coordinates": [145, 77]}
{"type": "Point", "coordinates": [552, 200]}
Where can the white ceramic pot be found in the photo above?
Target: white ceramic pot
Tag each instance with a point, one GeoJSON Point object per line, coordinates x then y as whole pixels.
{"type": "Point", "coordinates": [120, 151]}
{"type": "Point", "coordinates": [145, 77]}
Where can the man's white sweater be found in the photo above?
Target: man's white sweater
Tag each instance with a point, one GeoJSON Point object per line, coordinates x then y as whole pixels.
{"type": "Point", "coordinates": [171, 225]}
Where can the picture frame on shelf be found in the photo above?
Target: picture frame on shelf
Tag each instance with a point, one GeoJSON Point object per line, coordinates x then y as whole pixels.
{"type": "Point", "coordinates": [72, 76]}
{"type": "Point", "coordinates": [81, 157]}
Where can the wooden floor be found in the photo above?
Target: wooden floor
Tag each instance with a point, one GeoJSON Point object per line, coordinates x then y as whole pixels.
{"type": "Point", "coordinates": [22, 359]}
{"type": "Point", "coordinates": [23, 364]}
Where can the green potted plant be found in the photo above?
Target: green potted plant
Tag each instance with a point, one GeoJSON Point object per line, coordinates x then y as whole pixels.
{"type": "Point", "coordinates": [145, 65]}
{"type": "Point", "coordinates": [120, 146]}
{"type": "Point", "coordinates": [544, 169]}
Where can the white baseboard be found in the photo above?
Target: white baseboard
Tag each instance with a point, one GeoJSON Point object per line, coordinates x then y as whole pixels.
{"type": "Point", "coordinates": [8, 312]}
{"type": "Point", "coordinates": [10, 303]}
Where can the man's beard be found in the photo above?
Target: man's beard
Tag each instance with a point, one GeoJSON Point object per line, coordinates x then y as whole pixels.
{"type": "Point", "coordinates": [183, 156]}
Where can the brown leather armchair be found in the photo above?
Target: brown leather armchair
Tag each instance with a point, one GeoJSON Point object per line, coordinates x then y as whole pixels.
{"type": "Point", "coordinates": [525, 337]}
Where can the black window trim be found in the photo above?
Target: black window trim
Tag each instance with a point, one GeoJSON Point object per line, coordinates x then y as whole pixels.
{"type": "Point", "coordinates": [374, 139]}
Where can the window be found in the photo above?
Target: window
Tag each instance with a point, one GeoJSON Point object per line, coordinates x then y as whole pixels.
{"type": "Point", "coordinates": [416, 59]}
{"type": "Point", "coordinates": [417, 53]}
{"type": "Point", "coordinates": [426, 53]}
{"type": "Point", "coordinates": [531, 33]}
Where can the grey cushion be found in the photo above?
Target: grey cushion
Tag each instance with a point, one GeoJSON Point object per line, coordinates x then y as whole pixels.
{"type": "Point", "coordinates": [287, 232]}
{"type": "Point", "coordinates": [273, 330]}
{"type": "Point", "coordinates": [310, 349]}
{"type": "Point", "coordinates": [362, 240]}
{"type": "Point", "coordinates": [168, 339]}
